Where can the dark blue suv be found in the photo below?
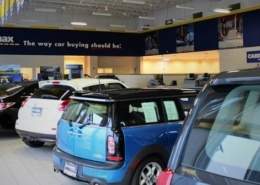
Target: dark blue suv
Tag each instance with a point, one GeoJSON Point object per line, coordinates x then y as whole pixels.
{"type": "Point", "coordinates": [220, 140]}
{"type": "Point", "coordinates": [120, 136]}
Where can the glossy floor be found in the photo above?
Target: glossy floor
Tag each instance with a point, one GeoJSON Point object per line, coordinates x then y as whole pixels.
{"type": "Point", "coordinates": [21, 165]}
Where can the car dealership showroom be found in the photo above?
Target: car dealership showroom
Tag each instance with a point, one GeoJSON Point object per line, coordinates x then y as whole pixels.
{"type": "Point", "coordinates": [129, 92]}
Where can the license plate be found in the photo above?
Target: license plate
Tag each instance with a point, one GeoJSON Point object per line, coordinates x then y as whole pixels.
{"type": "Point", "coordinates": [70, 169]}
{"type": "Point", "coordinates": [36, 111]}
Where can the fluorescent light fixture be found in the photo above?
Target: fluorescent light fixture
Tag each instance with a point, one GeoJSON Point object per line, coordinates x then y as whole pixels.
{"type": "Point", "coordinates": [46, 10]}
{"type": "Point", "coordinates": [221, 10]}
{"type": "Point", "coordinates": [146, 18]}
{"type": "Point", "coordinates": [184, 7]}
{"type": "Point", "coordinates": [79, 23]}
{"type": "Point", "coordinates": [134, 2]}
{"type": "Point", "coordinates": [117, 26]}
{"type": "Point", "coordinates": [101, 14]}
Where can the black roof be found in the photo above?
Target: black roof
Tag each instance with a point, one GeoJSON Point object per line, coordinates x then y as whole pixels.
{"type": "Point", "coordinates": [247, 76]}
{"type": "Point", "coordinates": [131, 93]}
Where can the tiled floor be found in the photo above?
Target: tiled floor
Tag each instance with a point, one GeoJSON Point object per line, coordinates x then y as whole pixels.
{"type": "Point", "coordinates": [21, 165]}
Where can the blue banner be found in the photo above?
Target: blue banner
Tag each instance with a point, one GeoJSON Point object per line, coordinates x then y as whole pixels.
{"type": "Point", "coordinates": [253, 57]}
{"type": "Point", "coordinates": [252, 29]}
{"type": "Point", "coordinates": [206, 35]}
{"type": "Point", "coordinates": [66, 42]}
{"type": "Point", "coordinates": [167, 40]}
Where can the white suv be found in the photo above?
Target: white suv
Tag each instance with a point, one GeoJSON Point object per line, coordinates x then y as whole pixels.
{"type": "Point", "coordinates": [39, 114]}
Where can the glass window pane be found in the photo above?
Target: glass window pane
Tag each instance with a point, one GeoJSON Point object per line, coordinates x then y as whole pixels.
{"type": "Point", "coordinates": [171, 110]}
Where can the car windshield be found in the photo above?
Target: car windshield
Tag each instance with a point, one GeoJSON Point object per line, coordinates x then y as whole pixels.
{"type": "Point", "coordinates": [225, 139]}
{"type": "Point", "coordinates": [53, 92]}
{"type": "Point", "coordinates": [83, 112]}
{"type": "Point", "coordinates": [9, 89]}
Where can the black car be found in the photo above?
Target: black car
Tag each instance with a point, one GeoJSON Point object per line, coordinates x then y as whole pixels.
{"type": "Point", "coordinates": [220, 141]}
{"type": "Point", "coordinates": [11, 99]}
{"type": "Point", "coordinates": [107, 77]}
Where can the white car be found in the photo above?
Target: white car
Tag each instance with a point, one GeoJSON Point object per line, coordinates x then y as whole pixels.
{"type": "Point", "coordinates": [39, 114]}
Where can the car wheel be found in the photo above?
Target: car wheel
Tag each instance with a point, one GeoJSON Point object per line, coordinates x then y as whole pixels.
{"type": "Point", "coordinates": [33, 144]}
{"type": "Point", "coordinates": [148, 171]}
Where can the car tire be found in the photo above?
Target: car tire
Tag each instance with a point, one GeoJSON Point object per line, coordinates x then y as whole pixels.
{"type": "Point", "coordinates": [143, 175]}
{"type": "Point", "coordinates": [33, 144]}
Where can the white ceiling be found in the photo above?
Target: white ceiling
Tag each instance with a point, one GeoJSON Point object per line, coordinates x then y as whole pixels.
{"type": "Point", "coordinates": [115, 7]}
{"type": "Point", "coordinates": [63, 12]}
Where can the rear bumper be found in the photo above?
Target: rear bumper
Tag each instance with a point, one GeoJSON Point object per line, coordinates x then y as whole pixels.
{"type": "Point", "coordinates": [92, 172]}
{"type": "Point", "coordinates": [36, 136]}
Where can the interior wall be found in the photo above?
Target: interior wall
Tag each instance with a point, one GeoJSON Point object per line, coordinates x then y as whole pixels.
{"type": "Point", "coordinates": [234, 59]}
{"type": "Point", "coordinates": [184, 63]}
{"type": "Point", "coordinates": [120, 65]}
{"type": "Point", "coordinates": [141, 81]}
{"type": "Point", "coordinates": [32, 63]}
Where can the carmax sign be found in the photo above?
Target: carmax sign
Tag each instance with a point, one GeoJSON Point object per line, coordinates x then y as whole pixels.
{"type": "Point", "coordinates": [253, 57]}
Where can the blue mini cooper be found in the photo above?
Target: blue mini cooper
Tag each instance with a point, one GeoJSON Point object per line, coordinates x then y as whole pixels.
{"type": "Point", "coordinates": [121, 136]}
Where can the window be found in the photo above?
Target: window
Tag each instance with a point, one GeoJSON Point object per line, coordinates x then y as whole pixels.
{"type": "Point", "coordinates": [115, 86]}
{"type": "Point", "coordinates": [95, 88]}
{"type": "Point", "coordinates": [172, 113]}
{"type": "Point", "coordinates": [54, 92]}
{"type": "Point", "coordinates": [9, 89]}
{"type": "Point", "coordinates": [225, 139]}
{"type": "Point", "coordinates": [87, 113]}
{"type": "Point", "coordinates": [138, 113]}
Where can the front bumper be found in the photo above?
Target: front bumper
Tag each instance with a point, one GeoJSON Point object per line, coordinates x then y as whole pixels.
{"type": "Point", "coordinates": [36, 136]}
{"type": "Point", "coordinates": [90, 171]}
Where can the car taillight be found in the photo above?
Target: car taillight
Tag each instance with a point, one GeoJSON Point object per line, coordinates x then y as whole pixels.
{"type": "Point", "coordinates": [165, 177]}
{"type": "Point", "coordinates": [64, 104]}
{"type": "Point", "coordinates": [24, 102]}
{"type": "Point", "coordinates": [6, 105]}
{"type": "Point", "coordinates": [113, 149]}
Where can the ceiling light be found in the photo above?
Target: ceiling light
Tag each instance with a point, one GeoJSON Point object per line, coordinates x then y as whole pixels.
{"type": "Point", "coordinates": [47, 10]}
{"type": "Point", "coordinates": [221, 10]}
{"type": "Point", "coordinates": [184, 7]}
{"type": "Point", "coordinates": [146, 18]}
{"type": "Point", "coordinates": [79, 23]}
{"type": "Point", "coordinates": [101, 14]}
{"type": "Point", "coordinates": [117, 26]}
{"type": "Point", "coordinates": [134, 2]}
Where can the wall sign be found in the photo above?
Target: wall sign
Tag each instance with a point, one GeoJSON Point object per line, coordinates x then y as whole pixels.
{"type": "Point", "coordinates": [253, 57]}
{"type": "Point", "coordinates": [67, 42]}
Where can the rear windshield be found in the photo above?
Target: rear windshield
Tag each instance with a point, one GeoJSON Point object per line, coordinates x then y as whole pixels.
{"type": "Point", "coordinates": [9, 89]}
{"type": "Point", "coordinates": [55, 92]}
{"type": "Point", "coordinates": [225, 139]}
{"type": "Point", "coordinates": [92, 113]}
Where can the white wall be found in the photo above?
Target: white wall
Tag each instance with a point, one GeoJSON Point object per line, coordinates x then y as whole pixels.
{"type": "Point", "coordinates": [233, 59]}
{"type": "Point", "coordinates": [141, 81]}
{"type": "Point", "coordinates": [33, 61]}
{"type": "Point", "coordinates": [120, 65]}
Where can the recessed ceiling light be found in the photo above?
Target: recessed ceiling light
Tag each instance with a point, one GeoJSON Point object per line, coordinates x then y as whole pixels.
{"type": "Point", "coordinates": [221, 10]}
{"type": "Point", "coordinates": [146, 18]}
{"type": "Point", "coordinates": [134, 2]}
{"type": "Point", "coordinates": [184, 7]}
{"type": "Point", "coordinates": [79, 23]}
{"type": "Point", "coordinates": [47, 10]}
{"type": "Point", "coordinates": [101, 14]}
